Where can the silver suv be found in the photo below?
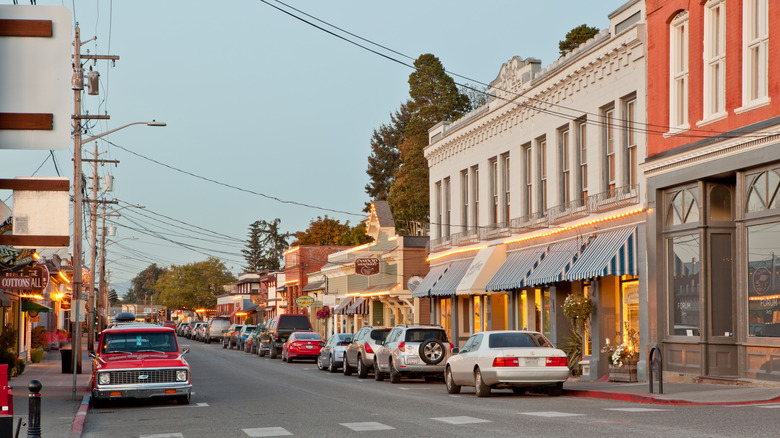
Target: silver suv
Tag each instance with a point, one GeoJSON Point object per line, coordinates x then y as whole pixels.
{"type": "Point", "coordinates": [413, 351]}
{"type": "Point", "coordinates": [359, 355]}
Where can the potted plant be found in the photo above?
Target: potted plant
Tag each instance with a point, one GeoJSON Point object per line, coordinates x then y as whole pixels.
{"type": "Point", "coordinates": [37, 342]}
{"type": "Point", "coordinates": [577, 308]}
{"type": "Point", "coordinates": [623, 358]}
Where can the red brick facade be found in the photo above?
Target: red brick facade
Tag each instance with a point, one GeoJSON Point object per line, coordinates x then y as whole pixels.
{"type": "Point", "coordinates": [300, 261]}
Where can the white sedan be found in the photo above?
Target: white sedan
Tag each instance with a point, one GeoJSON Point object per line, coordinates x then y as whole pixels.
{"type": "Point", "coordinates": [507, 359]}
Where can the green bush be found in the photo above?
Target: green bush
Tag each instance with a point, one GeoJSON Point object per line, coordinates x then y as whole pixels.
{"type": "Point", "coordinates": [38, 337]}
{"type": "Point", "coordinates": [19, 366]}
{"type": "Point", "coordinates": [8, 358]}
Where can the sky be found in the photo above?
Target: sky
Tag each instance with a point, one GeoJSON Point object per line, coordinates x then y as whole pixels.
{"type": "Point", "coordinates": [267, 116]}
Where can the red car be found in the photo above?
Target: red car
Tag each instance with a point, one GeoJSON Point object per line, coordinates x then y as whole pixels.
{"type": "Point", "coordinates": [302, 345]}
{"type": "Point", "coordinates": [138, 360]}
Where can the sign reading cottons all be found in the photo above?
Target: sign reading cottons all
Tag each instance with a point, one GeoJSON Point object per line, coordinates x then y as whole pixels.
{"type": "Point", "coordinates": [367, 266]}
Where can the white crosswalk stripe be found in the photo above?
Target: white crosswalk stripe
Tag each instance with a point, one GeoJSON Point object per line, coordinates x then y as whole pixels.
{"type": "Point", "coordinates": [635, 409]}
{"type": "Point", "coordinates": [461, 420]}
{"type": "Point", "coordinates": [367, 426]}
{"type": "Point", "coordinates": [267, 431]}
{"type": "Point", "coordinates": [163, 435]}
{"type": "Point", "coordinates": [551, 414]}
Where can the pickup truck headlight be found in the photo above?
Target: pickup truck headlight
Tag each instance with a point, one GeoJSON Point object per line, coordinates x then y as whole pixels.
{"type": "Point", "coordinates": [181, 375]}
{"type": "Point", "coordinates": [104, 378]}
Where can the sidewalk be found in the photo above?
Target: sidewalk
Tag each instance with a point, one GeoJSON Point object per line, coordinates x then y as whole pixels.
{"type": "Point", "coordinates": [60, 406]}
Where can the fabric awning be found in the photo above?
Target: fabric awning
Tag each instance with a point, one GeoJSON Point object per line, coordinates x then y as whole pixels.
{"type": "Point", "coordinates": [316, 285]}
{"type": "Point", "coordinates": [448, 284]}
{"type": "Point", "coordinates": [32, 306]}
{"type": "Point", "coordinates": [251, 308]}
{"type": "Point", "coordinates": [516, 269]}
{"type": "Point", "coordinates": [342, 307]}
{"type": "Point", "coordinates": [424, 288]}
{"type": "Point", "coordinates": [556, 263]}
{"type": "Point", "coordinates": [4, 300]}
{"type": "Point", "coordinates": [610, 253]}
{"type": "Point", "coordinates": [358, 307]}
{"type": "Point", "coordinates": [482, 268]}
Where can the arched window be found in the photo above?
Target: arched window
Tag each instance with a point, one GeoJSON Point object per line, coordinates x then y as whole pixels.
{"type": "Point", "coordinates": [683, 208]}
{"type": "Point", "coordinates": [762, 192]}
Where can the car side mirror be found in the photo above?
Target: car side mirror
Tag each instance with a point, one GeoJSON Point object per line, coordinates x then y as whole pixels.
{"type": "Point", "coordinates": [92, 355]}
{"type": "Point", "coordinates": [455, 350]}
{"type": "Point", "coordinates": [185, 351]}
{"type": "Point", "coordinates": [322, 344]}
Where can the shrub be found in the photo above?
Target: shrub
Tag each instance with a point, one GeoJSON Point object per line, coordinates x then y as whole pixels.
{"type": "Point", "coordinates": [38, 337]}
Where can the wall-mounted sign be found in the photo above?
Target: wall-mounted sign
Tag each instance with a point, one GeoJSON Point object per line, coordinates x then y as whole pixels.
{"type": "Point", "coordinates": [39, 275]}
{"type": "Point", "coordinates": [304, 301]}
{"type": "Point", "coordinates": [367, 266]}
{"type": "Point", "coordinates": [19, 283]}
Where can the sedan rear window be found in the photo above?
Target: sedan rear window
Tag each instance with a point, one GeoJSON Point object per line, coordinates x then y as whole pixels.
{"type": "Point", "coordinates": [422, 335]}
{"type": "Point", "coordinates": [308, 336]}
{"type": "Point", "coordinates": [517, 340]}
{"type": "Point", "coordinates": [139, 341]}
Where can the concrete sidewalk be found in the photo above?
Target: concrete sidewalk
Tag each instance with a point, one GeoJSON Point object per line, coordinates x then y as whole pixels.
{"type": "Point", "coordinates": [60, 405]}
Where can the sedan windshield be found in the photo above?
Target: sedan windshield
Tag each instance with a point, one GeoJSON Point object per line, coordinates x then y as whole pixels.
{"type": "Point", "coordinates": [517, 340]}
{"type": "Point", "coordinates": [135, 342]}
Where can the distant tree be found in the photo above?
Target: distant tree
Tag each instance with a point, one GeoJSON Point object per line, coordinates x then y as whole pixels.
{"type": "Point", "coordinates": [113, 298]}
{"type": "Point", "coordinates": [274, 243]}
{"type": "Point", "coordinates": [323, 231]}
{"type": "Point", "coordinates": [385, 159]}
{"type": "Point", "coordinates": [434, 98]}
{"type": "Point", "coordinates": [575, 37]}
{"type": "Point", "coordinates": [477, 94]}
{"type": "Point", "coordinates": [254, 252]}
{"type": "Point", "coordinates": [356, 235]}
{"type": "Point", "coordinates": [193, 286]}
{"type": "Point", "coordinates": [142, 285]}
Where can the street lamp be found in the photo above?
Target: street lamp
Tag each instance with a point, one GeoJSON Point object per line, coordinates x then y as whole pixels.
{"type": "Point", "coordinates": [77, 224]}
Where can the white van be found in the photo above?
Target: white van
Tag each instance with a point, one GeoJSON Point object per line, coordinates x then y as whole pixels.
{"type": "Point", "coordinates": [217, 327]}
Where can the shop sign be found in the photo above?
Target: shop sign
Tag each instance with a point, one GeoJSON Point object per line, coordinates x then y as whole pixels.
{"type": "Point", "coordinates": [39, 275]}
{"type": "Point", "coordinates": [761, 280]}
{"type": "Point", "coordinates": [19, 283]}
{"type": "Point", "coordinates": [367, 266]}
{"type": "Point", "coordinates": [304, 301]}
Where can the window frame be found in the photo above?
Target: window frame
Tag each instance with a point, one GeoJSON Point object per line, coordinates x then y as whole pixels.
{"type": "Point", "coordinates": [630, 142]}
{"type": "Point", "coordinates": [541, 151]}
{"type": "Point", "coordinates": [564, 153]}
{"type": "Point", "coordinates": [610, 151]}
{"type": "Point", "coordinates": [714, 55]}
{"type": "Point", "coordinates": [679, 64]}
{"type": "Point", "coordinates": [755, 77]}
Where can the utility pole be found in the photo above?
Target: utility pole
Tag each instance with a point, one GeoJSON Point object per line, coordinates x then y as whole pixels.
{"type": "Point", "coordinates": [93, 301]}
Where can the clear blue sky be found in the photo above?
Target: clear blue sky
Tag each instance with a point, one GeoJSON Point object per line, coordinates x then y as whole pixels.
{"type": "Point", "coordinates": [256, 99]}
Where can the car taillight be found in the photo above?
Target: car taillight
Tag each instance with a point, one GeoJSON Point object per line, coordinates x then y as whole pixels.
{"type": "Point", "coordinates": [401, 346]}
{"type": "Point", "coordinates": [451, 346]}
{"type": "Point", "coordinates": [369, 349]}
{"type": "Point", "coordinates": [506, 362]}
{"type": "Point", "coordinates": [556, 362]}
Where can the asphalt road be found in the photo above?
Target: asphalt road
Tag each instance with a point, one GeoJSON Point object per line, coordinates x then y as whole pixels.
{"type": "Point", "coordinates": [241, 395]}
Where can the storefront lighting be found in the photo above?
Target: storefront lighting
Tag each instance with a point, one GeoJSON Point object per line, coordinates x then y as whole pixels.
{"type": "Point", "coordinates": [457, 251]}
{"type": "Point", "coordinates": [291, 282]}
{"type": "Point", "coordinates": [292, 250]}
{"type": "Point", "coordinates": [63, 276]}
{"type": "Point", "coordinates": [241, 314]}
{"type": "Point", "coordinates": [36, 256]}
{"type": "Point", "coordinates": [33, 296]}
{"type": "Point", "coordinates": [771, 297]}
{"type": "Point", "coordinates": [369, 294]}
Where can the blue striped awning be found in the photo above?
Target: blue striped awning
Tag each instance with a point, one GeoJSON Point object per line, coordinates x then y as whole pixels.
{"type": "Point", "coordinates": [448, 284]}
{"type": "Point", "coordinates": [517, 267]}
{"type": "Point", "coordinates": [610, 253]}
{"type": "Point", "coordinates": [359, 307]}
{"type": "Point", "coordinates": [556, 263]}
{"type": "Point", "coordinates": [424, 288]}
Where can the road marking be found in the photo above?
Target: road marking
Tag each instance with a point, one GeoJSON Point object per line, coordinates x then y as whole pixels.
{"type": "Point", "coordinates": [635, 409]}
{"type": "Point", "coordinates": [461, 420]}
{"type": "Point", "coordinates": [199, 405]}
{"type": "Point", "coordinates": [163, 435]}
{"type": "Point", "coordinates": [367, 426]}
{"type": "Point", "coordinates": [403, 389]}
{"type": "Point", "coordinates": [551, 414]}
{"type": "Point", "coordinates": [267, 431]}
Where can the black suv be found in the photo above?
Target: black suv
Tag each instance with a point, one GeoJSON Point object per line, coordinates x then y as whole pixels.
{"type": "Point", "coordinates": [279, 329]}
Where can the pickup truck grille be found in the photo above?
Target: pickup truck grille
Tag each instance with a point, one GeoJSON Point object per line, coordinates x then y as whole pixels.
{"type": "Point", "coordinates": [137, 376]}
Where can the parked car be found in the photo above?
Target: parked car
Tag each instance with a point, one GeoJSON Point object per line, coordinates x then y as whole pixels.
{"type": "Point", "coordinates": [302, 345]}
{"type": "Point", "coordinates": [243, 334]}
{"type": "Point", "coordinates": [231, 335]}
{"type": "Point", "coordinates": [359, 355]}
{"type": "Point", "coordinates": [199, 331]}
{"type": "Point", "coordinates": [169, 324]}
{"type": "Point", "coordinates": [331, 355]}
{"type": "Point", "coordinates": [507, 359]}
{"type": "Point", "coordinates": [129, 351]}
{"type": "Point", "coordinates": [412, 351]}
{"type": "Point", "coordinates": [253, 340]}
{"type": "Point", "coordinates": [279, 329]}
{"type": "Point", "coordinates": [188, 330]}
{"type": "Point", "coordinates": [217, 328]}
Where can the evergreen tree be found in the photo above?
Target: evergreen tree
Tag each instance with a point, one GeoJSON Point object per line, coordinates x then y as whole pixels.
{"type": "Point", "coordinates": [575, 37]}
{"type": "Point", "coordinates": [274, 244]}
{"type": "Point", "coordinates": [434, 98]}
{"type": "Point", "coordinates": [253, 254]}
{"type": "Point", "coordinates": [384, 161]}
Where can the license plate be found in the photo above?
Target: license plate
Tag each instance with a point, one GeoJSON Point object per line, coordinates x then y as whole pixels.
{"type": "Point", "coordinates": [412, 361]}
{"type": "Point", "coordinates": [309, 347]}
{"type": "Point", "coordinates": [526, 362]}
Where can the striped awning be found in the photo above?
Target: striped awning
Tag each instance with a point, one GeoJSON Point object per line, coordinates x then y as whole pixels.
{"type": "Point", "coordinates": [424, 288]}
{"type": "Point", "coordinates": [358, 307]}
{"type": "Point", "coordinates": [559, 259]}
{"type": "Point", "coordinates": [448, 284]}
{"type": "Point", "coordinates": [517, 267]}
{"type": "Point", "coordinates": [610, 253]}
{"type": "Point", "coordinates": [342, 307]}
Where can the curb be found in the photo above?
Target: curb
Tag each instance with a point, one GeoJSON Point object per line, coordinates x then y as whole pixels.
{"type": "Point", "coordinates": [81, 416]}
{"type": "Point", "coordinates": [652, 399]}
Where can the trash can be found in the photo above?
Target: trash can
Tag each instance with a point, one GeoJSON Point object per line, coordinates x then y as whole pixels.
{"type": "Point", "coordinates": [67, 360]}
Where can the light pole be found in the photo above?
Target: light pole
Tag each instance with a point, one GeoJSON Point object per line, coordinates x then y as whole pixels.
{"type": "Point", "coordinates": [77, 222]}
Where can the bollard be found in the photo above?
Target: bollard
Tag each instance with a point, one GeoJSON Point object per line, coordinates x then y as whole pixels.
{"type": "Point", "coordinates": [34, 411]}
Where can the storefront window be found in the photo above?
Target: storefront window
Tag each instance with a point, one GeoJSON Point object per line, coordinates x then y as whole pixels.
{"type": "Point", "coordinates": [587, 346]}
{"type": "Point", "coordinates": [522, 311]}
{"type": "Point", "coordinates": [685, 266]}
{"type": "Point", "coordinates": [445, 315]}
{"type": "Point", "coordinates": [498, 314]}
{"type": "Point", "coordinates": [477, 314]}
{"type": "Point", "coordinates": [630, 298]}
{"type": "Point", "coordinates": [543, 311]}
{"type": "Point", "coordinates": [763, 281]}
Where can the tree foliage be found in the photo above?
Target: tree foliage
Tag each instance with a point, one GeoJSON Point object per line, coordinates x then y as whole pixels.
{"type": "Point", "coordinates": [434, 98]}
{"type": "Point", "coordinates": [477, 94]}
{"type": "Point", "coordinates": [193, 286]}
{"type": "Point", "coordinates": [575, 37]}
{"type": "Point", "coordinates": [384, 161]}
{"type": "Point", "coordinates": [266, 246]}
{"type": "Point", "coordinates": [142, 285]}
{"type": "Point", "coordinates": [328, 231]}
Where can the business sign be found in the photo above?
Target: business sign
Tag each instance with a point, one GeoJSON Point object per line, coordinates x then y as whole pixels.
{"type": "Point", "coordinates": [39, 276]}
{"type": "Point", "coordinates": [762, 280]}
{"type": "Point", "coordinates": [19, 283]}
{"type": "Point", "coordinates": [304, 301]}
{"type": "Point", "coordinates": [367, 266]}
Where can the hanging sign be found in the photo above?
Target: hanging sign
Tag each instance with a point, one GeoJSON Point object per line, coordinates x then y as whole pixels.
{"type": "Point", "coordinates": [304, 301]}
{"type": "Point", "coordinates": [367, 266]}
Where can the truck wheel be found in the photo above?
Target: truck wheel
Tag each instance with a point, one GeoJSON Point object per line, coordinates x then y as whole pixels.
{"type": "Point", "coordinates": [260, 351]}
{"type": "Point", "coordinates": [224, 345]}
{"type": "Point", "coordinates": [272, 352]}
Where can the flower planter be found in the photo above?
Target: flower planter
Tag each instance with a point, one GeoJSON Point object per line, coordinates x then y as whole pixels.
{"type": "Point", "coordinates": [36, 356]}
{"type": "Point", "coordinates": [624, 373]}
